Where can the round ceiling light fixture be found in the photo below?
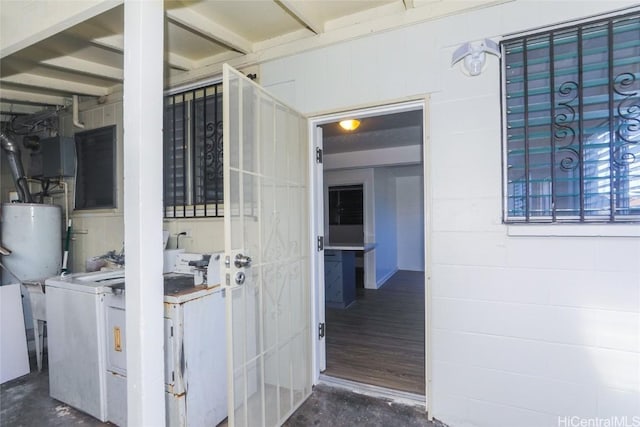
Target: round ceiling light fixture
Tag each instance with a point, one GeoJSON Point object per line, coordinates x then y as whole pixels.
{"type": "Point", "coordinates": [350, 124]}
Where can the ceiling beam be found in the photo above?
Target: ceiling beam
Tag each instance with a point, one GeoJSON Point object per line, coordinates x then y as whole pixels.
{"type": "Point", "coordinates": [219, 58]}
{"type": "Point", "coordinates": [17, 96]}
{"type": "Point", "coordinates": [27, 23]}
{"type": "Point", "coordinates": [178, 62]}
{"type": "Point", "coordinates": [77, 65]}
{"type": "Point", "coordinates": [48, 83]}
{"type": "Point", "coordinates": [408, 4]}
{"type": "Point", "coordinates": [205, 27]}
{"type": "Point", "coordinates": [59, 56]}
{"type": "Point", "coordinates": [10, 108]}
{"type": "Point", "coordinates": [313, 24]}
{"type": "Point", "coordinates": [116, 43]}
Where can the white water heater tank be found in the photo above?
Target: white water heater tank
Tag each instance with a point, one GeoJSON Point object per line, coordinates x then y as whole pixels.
{"type": "Point", "coordinates": [33, 234]}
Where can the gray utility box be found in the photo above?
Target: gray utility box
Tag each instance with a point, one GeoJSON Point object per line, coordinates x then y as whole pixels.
{"type": "Point", "coordinates": [56, 158]}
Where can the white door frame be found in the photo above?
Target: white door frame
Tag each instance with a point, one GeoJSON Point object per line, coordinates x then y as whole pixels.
{"type": "Point", "coordinates": [317, 224]}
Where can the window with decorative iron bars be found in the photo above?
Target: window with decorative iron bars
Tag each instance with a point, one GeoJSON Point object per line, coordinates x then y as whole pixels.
{"type": "Point", "coordinates": [571, 123]}
{"type": "Point", "coordinates": [193, 178]}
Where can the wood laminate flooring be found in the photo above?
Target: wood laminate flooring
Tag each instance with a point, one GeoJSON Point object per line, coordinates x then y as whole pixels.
{"type": "Point", "coordinates": [379, 339]}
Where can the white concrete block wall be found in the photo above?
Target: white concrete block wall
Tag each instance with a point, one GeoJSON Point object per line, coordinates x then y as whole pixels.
{"type": "Point", "coordinates": [96, 232]}
{"type": "Point", "coordinates": [525, 329]}
{"type": "Point", "coordinates": [99, 231]}
{"type": "Point", "coordinates": [207, 235]}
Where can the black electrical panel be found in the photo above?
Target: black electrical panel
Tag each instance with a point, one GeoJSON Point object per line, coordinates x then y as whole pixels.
{"type": "Point", "coordinates": [55, 158]}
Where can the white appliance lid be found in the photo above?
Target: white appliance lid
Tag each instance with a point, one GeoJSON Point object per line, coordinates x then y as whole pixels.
{"type": "Point", "coordinates": [94, 283]}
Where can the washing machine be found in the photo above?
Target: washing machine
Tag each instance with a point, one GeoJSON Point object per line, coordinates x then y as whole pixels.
{"type": "Point", "coordinates": [76, 340]}
{"type": "Point", "coordinates": [195, 369]}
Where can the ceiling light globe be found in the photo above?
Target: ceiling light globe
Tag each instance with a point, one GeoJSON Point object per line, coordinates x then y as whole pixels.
{"type": "Point", "coordinates": [350, 124]}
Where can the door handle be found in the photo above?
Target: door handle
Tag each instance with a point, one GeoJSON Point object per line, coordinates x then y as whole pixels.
{"type": "Point", "coordinates": [242, 261]}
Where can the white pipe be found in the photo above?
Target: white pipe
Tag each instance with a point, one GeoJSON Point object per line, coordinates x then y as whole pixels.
{"type": "Point", "coordinates": [76, 121]}
{"type": "Point", "coordinates": [66, 201]}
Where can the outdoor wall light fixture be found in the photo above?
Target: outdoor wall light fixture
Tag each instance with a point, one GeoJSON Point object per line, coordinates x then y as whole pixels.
{"type": "Point", "coordinates": [350, 124]}
{"type": "Point", "coordinates": [475, 55]}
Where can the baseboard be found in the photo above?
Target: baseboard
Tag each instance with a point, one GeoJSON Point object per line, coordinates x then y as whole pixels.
{"type": "Point", "coordinates": [382, 281]}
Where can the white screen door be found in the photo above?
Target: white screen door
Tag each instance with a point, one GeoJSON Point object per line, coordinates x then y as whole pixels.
{"type": "Point", "coordinates": [266, 205]}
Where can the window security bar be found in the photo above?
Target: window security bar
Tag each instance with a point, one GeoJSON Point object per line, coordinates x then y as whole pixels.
{"type": "Point", "coordinates": [193, 177]}
{"type": "Point", "coordinates": [572, 123]}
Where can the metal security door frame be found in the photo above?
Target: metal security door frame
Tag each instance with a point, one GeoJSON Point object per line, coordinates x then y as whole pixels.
{"type": "Point", "coordinates": [269, 330]}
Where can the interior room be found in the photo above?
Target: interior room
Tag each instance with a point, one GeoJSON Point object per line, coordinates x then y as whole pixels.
{"type": "Point", "coordinates": [181, 240]}
{"type": "Point", "coordinates": [374, 251]}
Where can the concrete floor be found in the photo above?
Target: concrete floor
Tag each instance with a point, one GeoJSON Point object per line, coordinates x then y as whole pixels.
{"type": "Point", "coordinates": [335, 407]}
{"type": "Point", "coordinates": [25, 402]}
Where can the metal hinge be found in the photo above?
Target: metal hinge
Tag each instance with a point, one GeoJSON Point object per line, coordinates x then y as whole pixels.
{"type": "Point", "coordinates": [320, 243]}
{"type": "Point", "coordinates": [318, 155]}
{"type": "Point", "coordinates": [321, 330]}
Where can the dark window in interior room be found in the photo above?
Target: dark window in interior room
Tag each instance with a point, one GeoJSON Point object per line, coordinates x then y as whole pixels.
{"type": "Point", "coordinates": [96, 169]}
{"type": "Point", "coordinates": [572, 123]}
{"type": "Point", "coordinates": [345, 205]}
{"type": "Point", "coordinates": [193, 177]}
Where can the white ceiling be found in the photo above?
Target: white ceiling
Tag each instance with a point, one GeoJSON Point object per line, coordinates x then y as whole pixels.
{"type": "Point", "coordinates": [375, 132]}
{"type": "Point", "coordinates": [86, 58]}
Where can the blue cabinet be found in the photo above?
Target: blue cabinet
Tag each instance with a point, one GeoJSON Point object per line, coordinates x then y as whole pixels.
{"type": "Point", "coordinates": [339, 278]}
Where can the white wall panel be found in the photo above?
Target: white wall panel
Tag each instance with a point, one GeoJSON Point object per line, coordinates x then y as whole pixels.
{"type": "Point", "coordinates": [624, 403]}
{"type": "Point", "coordinates": [490, 283]}
{"type": "Point", "coordinates": [618, 330]}
{"type": "Point", "coordinates": [316, 70]}
{"type": "Point", "coordinates": [466, 111]}
{"type": "Point", "coordinates": [527, 321]}
{"type": "Point", "coordinates": [469, 214]}
{"type": "Point", "coordinates": [513, 355]}
{"type": "Point", "coordinates": [385, 225]}
{"type": "Point", "coordinates": [607, 290]}
{"type": "Point", "coordinates": [521, 391]}
{"type": "Point", "coordinates": [466, 412]}
{"type": "Point", "coordinates": [207, 235]}
{"type": "Point", "coordinates": [479, 249]}
{"type": "Point", "coordinates": [462, 165]}
{"type": "Point", "coordinates": [410, 223]}
{"type": "Point", "coordinates": [619, 254]}
{"type": "Point", "coordinates": [552, 253]}
{"type": "Point", "coordinates": [340, 59]}
{"type": "Point", "coordinates": [617, 369]}
{"type": "Point", "coordinates": [417, 60]}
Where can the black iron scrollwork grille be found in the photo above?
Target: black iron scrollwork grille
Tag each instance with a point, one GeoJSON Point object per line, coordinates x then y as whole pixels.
{"type": "Point", "coordinates": [193, 176]}
{"type": "Point", "coordinates": [572, 123]}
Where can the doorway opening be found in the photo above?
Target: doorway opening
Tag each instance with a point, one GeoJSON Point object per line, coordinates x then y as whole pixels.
{"type": "Point", "coordinates": [370, 281]}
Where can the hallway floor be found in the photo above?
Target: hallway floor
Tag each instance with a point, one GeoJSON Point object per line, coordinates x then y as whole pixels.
{"type": "Point", "coordinates": [379, 339]}
{"type": "Point", "coordinates": [25, 402]}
